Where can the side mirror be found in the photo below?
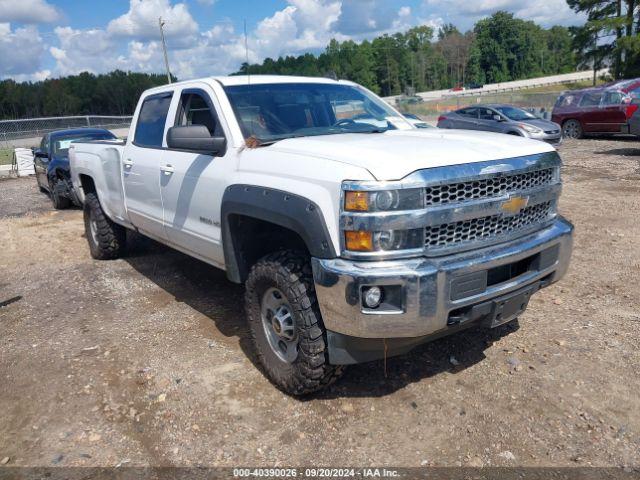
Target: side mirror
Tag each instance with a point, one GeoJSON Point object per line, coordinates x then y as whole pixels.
{"type": "Point", "coordinates": [196, 138]}
{"type": "Point", "coordinates": [498, 118]}
{"type": "Point", "coordinates": [40, 154]}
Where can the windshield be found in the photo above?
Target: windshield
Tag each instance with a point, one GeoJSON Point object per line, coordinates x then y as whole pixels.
{"type": "Point", "coordinates": [271, 112]}
{"type": "Point", "coordinates": [60, 145]}
{"type": "Point", "coordinates": [513, 113]}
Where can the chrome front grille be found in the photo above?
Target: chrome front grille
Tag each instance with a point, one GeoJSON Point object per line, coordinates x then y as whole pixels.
{"type": "Point", "coordinates": [483, 228]}
{"type": "Point", "coordinates": [464, 207]}
{"type": "Point", "coordinates": [487, 187]}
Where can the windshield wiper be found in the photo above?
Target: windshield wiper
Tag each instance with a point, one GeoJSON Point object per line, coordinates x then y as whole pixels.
{"type": "Point", "coordinates": [255, 142]}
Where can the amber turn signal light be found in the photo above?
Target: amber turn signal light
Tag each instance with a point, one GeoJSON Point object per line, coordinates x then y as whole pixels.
{"type": "Point", "coordinates": [358, 241]}
{"type": "Point", "coordinates": [356, 201]}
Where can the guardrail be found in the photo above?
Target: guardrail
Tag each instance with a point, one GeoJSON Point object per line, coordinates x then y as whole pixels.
{"type": "Point", "coordinates": [515, 85]}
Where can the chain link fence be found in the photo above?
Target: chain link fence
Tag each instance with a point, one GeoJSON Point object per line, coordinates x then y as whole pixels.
{"type": "Point", "coordinates": [27, 132]}
{"type": "Point", "coordinates": [36, 127]}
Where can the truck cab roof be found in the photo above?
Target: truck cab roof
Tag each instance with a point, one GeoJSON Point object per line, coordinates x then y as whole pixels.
{"type": "Point", "coordinates": [234, 80]}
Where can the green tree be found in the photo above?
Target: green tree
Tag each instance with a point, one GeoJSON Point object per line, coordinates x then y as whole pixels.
{"type": "Point", "coordinates": [609, 36]}
{"type": "Point", "coordinates": [114, 93]}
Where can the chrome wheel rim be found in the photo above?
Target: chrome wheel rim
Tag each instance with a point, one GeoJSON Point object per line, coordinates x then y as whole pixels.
{"type": "Point", "coordinates": [571, 130]}
{"type": "Point", "coordinates": [279, 325]}
{"type": "Point", "coordinates": [93, 230]}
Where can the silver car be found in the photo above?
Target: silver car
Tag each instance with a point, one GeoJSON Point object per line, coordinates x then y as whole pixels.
{"type": "Point", "coordinates": [502, 119]}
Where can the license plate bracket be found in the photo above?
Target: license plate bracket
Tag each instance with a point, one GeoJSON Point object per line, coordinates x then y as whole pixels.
{"type": "Point", "coordinates": [511, 306]}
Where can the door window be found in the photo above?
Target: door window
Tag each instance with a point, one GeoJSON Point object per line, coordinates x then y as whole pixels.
{"type": "Point", "coordinates": [469, 112]}
{"type": "Point", "coordinates": [612, 98]}
{"type": "Point", "coordinates": [591, 100]}
{"type": "Point", "coordinates": [195, 110]}
{"type": "Point", "coordinates": [151, 121]}
{"type": "Point", "coordinates": [486, 114]}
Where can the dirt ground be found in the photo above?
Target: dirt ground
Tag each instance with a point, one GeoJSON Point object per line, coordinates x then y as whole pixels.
{"type": "Point", "coordinates": [145, 360]}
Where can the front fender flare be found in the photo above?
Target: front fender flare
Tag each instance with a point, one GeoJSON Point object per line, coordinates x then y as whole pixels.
{"type": "Point", "coordinates": [284, 209]}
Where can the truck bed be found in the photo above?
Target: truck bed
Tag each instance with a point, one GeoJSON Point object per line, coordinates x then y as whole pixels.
{"type": "Point", "coordinates": [101, 160]}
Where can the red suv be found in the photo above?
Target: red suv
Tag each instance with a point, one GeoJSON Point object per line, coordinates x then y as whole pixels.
{"type": "Point", "coordinates": [605, 109]}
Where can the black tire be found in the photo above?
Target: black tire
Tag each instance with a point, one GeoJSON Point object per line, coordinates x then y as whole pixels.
{"type": "Point", "coordinates": [290, 273]}
{"type": "Point", "coordinates": [572, 129]}
{"type": "Point", "coordinates": [107, 241]}
{"type": "Point", "coordinates": [58, 194]}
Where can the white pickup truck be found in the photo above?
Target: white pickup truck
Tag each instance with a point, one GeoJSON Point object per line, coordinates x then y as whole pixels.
{"type": "Point", "coordinates": [357, 236]}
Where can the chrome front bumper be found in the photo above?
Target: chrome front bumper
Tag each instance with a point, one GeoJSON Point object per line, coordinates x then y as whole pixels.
{"type": "Point", "coordinates": [426, 284]}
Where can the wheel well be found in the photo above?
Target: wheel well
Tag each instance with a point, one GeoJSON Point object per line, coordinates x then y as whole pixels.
{"type": "Point", "coordinates": [571, 119]}
{"type": "Point", "coordinates": [253, 238]}
{"type": "Point", "coordinates": [56, 174]}
{"type": "Point", "coordinates": [88, 185]}
{"type": "Point", "coordinates": [514, 133]}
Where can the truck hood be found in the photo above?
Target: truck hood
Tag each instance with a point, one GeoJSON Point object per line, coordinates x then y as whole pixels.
{"type": "Point", "coordinates": [395, 154]}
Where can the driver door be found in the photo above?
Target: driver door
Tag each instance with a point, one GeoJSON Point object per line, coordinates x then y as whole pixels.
{"type": "Point", "coordinates": [40, 164]}
{"type": "Point", "coordinates": [486, 121]}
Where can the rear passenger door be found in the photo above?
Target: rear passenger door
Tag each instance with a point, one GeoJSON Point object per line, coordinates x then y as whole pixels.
{"type": "Point", "coordinates": [612, 114]}
{"type": "Point", "coordinates": [192, 183]}
{"type": "Point", "coordinates": [590, 111]}
{"type": "Point", "coordinates": [141, 166]}
{"type": "Point", "coordinates": [467, 119]}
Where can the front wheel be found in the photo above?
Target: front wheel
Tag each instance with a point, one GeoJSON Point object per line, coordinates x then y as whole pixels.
{"type": "Point", "coordinates": [106, 239]}
{"type": "Point", "coordinates": [572, 129]}
{"type": "Point", "coordinates": [59, 191]}
{"type": "Point", "coordinates": [286, 326]}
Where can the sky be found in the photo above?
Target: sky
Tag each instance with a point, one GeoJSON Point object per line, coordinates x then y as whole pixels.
{"type": "Point", "coordinates": [42, 39]}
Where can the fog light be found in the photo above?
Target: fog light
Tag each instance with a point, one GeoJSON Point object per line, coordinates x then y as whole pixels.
{"type": "Point", "coordinates": [372, 297]}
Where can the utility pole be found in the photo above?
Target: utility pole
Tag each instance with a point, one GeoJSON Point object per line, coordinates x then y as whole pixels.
{"type": "Point", "coordinates": [164, 49]}
{"type": "Point", "coordinates": [595, 53]}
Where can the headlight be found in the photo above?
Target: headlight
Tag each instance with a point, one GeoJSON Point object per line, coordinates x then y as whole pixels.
{"type": "Point", "coordinates": [385, 241]}
{"type": "Point", "coordinates": [529, 128]}
{"type": "Point", "coordinates": [383, 200]}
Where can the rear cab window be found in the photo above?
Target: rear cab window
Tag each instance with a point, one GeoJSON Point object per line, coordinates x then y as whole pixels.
{"type": "Point", "coordinates": [151, 120]}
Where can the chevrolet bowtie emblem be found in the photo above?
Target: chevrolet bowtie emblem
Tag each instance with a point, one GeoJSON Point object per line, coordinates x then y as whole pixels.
{"type": "Point", "coordinates": [514, 205]}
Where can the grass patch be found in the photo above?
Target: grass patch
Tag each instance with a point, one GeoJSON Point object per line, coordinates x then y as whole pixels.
{"type": "Point", "coordinates": [6, 156]}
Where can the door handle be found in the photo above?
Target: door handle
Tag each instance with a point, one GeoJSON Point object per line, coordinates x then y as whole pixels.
{"type": "Point", "coordinates": [167, 169]}
{"type": "Point", "coordinates": [127, 162]}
